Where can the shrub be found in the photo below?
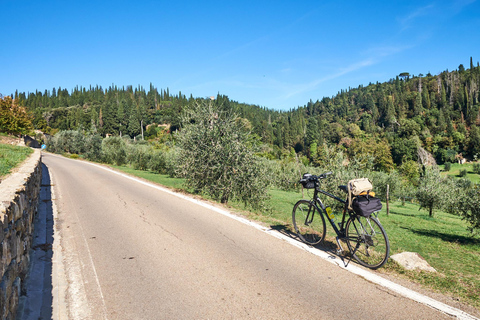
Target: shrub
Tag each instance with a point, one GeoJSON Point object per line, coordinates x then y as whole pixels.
{"type": "Point", "coordinates": [215, 158]}
{"type": "Point", "coordinates": [114, 151]}
{"type": "Point", "coordinates": [448, 166]}
{"type": "Point", "coordinates": [463, 173]}
{"type": "Point", "coordinates": [93, 147]}
{"type": "Point", "coordinates": [139, 156]}
{"type": "Point", "coordinates": [157, 162]}
{"type": "Point", "coordinates": [476, 168]}
{"type": "Point", "coordinates": [69, 141]}
{"type": "Point", "coordinates": [172, 164]}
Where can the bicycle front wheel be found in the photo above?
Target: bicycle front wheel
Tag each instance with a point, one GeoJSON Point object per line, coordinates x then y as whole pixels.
{"type": "Point", "coordinates": [367, 241]}
{"type": "Point", "coordinates": [308, 222]}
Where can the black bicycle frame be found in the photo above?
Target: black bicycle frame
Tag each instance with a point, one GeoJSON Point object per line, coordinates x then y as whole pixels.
{"type": "Point", "coordinates": [341, 232]}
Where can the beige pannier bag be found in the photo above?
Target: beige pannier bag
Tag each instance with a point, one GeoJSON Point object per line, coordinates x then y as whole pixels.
{"type": "Point", "coordinates": [357, 186]}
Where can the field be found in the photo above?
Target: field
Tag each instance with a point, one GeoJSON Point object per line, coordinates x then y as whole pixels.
{"type": "Point", "coordinates": [442, 240]}
{"type": "Point", "coordinates": [11, 156]}
{"type": "Point", "coordinates": [455, 171]}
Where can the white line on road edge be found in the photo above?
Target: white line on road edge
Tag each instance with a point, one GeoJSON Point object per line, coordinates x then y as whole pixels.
{"type": "Point", "coordinates": [59, 280]}
{"type": "Point", "coordinates": [408, 293]}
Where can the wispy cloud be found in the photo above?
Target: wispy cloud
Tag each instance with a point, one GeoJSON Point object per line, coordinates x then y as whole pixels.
{"type": "Point", "coordinates": [407, 21]}
{"type": "Point", "coordinates": [374, 56]}
{"type": "Point", "coordinates": [341, 72]}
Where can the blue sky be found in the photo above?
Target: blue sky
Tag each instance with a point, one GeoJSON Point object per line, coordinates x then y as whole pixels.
{"type": "Point", "coordinates": [276, 54]}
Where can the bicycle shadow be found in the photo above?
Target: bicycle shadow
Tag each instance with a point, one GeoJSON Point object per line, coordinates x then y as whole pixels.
{"type": "Point", "coordinates": [328, 246]}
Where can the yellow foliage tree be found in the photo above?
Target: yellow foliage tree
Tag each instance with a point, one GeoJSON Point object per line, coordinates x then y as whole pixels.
{"type": "Point", "coordinates": [14, 118]}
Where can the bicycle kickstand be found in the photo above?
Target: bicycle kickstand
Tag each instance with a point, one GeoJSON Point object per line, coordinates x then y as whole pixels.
{"type": "Point", "coordinates": [340, 248]}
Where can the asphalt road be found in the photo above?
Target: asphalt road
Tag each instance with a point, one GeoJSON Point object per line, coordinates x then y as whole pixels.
{"type": "Point", "coordinates": [130, 251]}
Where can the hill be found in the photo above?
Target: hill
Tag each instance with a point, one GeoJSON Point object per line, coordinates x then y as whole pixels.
{"type": "Point", "coordinates": [389, 120]}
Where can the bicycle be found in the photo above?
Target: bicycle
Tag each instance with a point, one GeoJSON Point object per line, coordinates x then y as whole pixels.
{"type": "Point", "coordinates": [366, 239]}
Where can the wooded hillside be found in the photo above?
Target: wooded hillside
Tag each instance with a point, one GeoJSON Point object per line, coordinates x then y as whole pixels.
{"type": "Point", "coordinates": [389, 120]}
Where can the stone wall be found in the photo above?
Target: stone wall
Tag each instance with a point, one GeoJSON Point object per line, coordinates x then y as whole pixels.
{"type": "Point", "coordinates": [19, 194]}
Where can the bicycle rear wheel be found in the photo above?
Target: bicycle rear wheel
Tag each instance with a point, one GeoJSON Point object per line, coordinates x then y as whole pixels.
{"type": "Point", "coordinates": [308, 222]}
{"type": "Point", "coordinates": [367, 241]}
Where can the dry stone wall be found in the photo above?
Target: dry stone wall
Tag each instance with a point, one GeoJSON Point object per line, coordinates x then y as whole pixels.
{"type": "Point", "coordinates": [19, 194]}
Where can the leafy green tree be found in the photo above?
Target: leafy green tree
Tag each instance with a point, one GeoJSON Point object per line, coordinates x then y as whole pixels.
{"type": "Point", "coordinates": [134, 128]}
{"type": "Point", "coordinates": [474, 140]}
{"type": "Point", "coordinates": [215, 159]}
{"type": "Point", "coordinates": [465, 201]}
{"type": "Point", "coordinates": [114, 151]}
{"type": "Point", "coordinates": [14, 118]}
{"type": "Point", "coordinates": [433, 189]}
{"type": "Point", "coordinates": [410, 170]}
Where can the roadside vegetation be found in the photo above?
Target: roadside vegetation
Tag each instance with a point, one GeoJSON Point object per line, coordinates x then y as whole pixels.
{"type": "Point", "coordinates": [11, 157]}
{"type": "Point", "coordinates": [251, 158]}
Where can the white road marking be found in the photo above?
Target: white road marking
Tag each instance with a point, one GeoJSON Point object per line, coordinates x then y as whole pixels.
{"type": "Point", "coordinates": [59, 280]}
{"type": "Point", "coordinates": [408, 293]}
{"type": "Point", "coordinates": [79, 308]}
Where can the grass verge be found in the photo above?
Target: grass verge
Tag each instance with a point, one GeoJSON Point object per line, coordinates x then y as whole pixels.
{"type": "Point", "coordinates": [11, 156]}
{"type": "Point", "coordinates": [442, 240]}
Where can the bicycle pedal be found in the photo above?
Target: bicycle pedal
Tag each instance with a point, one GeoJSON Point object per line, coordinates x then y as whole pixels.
{"type": "Point", "coordinates": [340, 252]}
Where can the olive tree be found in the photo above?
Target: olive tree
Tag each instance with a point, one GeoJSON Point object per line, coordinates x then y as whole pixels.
{"type": "Point", "coordinates": [434, 190]}
{"type": "Point", "coordinates": [465, 201]}
{"type": "Point", "coordinates": [216, 157]}
{"type": "Point", "coordinates": [114, 151]}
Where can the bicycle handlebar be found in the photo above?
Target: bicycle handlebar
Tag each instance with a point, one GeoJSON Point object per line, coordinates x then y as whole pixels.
{"type": "Point", "coordinates": [310, 177]}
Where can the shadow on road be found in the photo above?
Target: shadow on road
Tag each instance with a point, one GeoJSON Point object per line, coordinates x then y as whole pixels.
{"type": "Point", "coordinates": [36, 296]}
{"type": "Point", "coordinates": [326, 246]}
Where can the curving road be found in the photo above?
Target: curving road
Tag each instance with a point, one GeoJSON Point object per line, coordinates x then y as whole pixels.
{"type": "Point", "coordinates": [131, 251]}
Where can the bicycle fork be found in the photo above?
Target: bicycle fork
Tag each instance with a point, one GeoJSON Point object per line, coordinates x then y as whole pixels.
{"type": "Point", "coordinates": [309, 217]}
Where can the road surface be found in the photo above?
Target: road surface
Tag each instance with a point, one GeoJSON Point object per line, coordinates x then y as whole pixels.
{"type": "Point", "coordinates": [130, 251]}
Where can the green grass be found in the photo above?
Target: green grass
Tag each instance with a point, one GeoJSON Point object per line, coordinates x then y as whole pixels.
{"type": "Point", "coordinates": [163, 179]}
{"type": "Point", "coordinates": [442, 240]}
{"type": "Point", "coordinates": [11, 156]}
{"type": "Point", "coordinates": [455, 171]}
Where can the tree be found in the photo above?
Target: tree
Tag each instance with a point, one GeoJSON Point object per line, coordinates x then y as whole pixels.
{"type": "Point", "coordinates": [215, 157]}
{"type": "Point", "coordinates": [14, 118]}
{"type": "Point", "coordinates": [474, 140]}
{"type": "Point", "coordinates": [433, 189]}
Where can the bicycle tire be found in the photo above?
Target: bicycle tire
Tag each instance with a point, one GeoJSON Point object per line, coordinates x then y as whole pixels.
{"type": "Point", "coordinates": [367, 241]}
{"type": "Point", "coordinates": [308, 222]}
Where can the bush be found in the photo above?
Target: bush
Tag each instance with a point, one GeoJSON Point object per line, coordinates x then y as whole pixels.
{"type": "Point", "coordinates": [286, 174]}
{"type": "Point", "coordinates": [69, 141]}
{"type": "Point", "coordinates": [465, 200]}
{"type": "Point", "coordinates": [157, 162]}
{"type": "Point", "coordinates": [476, 168]}
{"type": "Point", "coordinates": [380, 180]}
{"type": "Point", "coordinates": [93, 147]}
{"type": "Point", "coordinates": [463, 173]}
{"type": "Point", "coordinates": [448, 166]}
{"type": "Point", "coordinates": [215, 158]}
{"type": "Point", "coordinates": [172, 162]}
{"type": "Point", "coordinates": [114, 151]}
{"type": "Point", "coordinates": [139, 156]}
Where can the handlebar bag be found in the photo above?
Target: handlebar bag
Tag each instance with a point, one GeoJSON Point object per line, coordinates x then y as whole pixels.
{"type": "Point", "coordinates": [366, 205]}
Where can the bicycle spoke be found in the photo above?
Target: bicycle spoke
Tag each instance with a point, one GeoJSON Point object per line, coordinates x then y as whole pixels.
{"type": "Point", "coordinates": [367, 241]}
{"type": "Point", "coordinates": [308, 222]}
